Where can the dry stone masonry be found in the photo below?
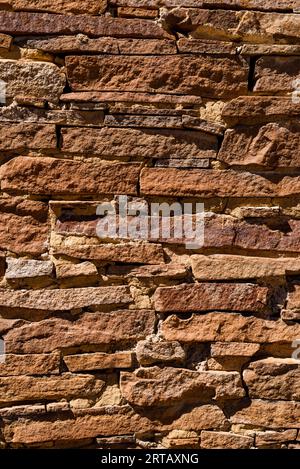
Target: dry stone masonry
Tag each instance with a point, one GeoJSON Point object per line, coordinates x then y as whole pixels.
{"type": "Point", "coordinates": [114, 342]}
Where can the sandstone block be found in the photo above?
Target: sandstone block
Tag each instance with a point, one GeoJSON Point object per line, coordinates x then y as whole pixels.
{"type": "Point", "coordinates": [98, 361]}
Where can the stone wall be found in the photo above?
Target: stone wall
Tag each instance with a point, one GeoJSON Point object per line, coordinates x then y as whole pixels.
{"type": "Point", "coordinates": [120, 342]}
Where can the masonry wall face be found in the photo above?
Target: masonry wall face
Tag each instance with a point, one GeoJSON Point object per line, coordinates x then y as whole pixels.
{"type": "Point", "coordinates": [119, 342]}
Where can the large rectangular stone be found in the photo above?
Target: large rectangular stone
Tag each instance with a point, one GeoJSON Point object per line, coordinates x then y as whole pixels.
{"type": "Point", "coordinates": [31, 364]}
{"type": "Point", "coordinates": [63, 299]}
{"type": "Point", "coordinates": [24, 24]}
{"type": "Point", "coordinates": [99, 361]}
{"type": "Point", "coordinates": [271, 145]}
{"type": "Point", "coordinates": [93, 7]}
{"type": "Point", "coordinates": [225, 267]}
{"type": "Point", "coordinates": [57, 176]}
{"type": "Point", "coordinates": [214, 183]}
{"type": "Point", "coordinates": [33, 79]}
{"type": "Point", "coordinates": [211, 296]}
{"type": "Point", "coordinates": [118, 142]}
{"type": "Point", "coordinates": [23, 137]}
{"type": "Point", "coordinates": [91, 330]}
{"type": "Point", "coordinates": [202, 76]}
{"type": "Point", "coordinates": [225, 327]}
{"type": "Point", "coordinates": [33, 388]}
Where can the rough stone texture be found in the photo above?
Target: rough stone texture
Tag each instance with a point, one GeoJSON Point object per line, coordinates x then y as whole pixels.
{"type": "Point", "coordinates": [63, 300]}
{"type": "Point", "coordinates": [272, 145]}
{"type": "Point", "coordinates": [54, 176]}
{"type": "Point", "coordinates": [155, 387]}
{"type": "Point", "coordinates": [181, 75]}
{"type": "Point", "coordinates": [141, 340]}
{"type": "Point", "coordinates": [225, 440]}
{"type": "Point", "coordinates": [91, 329]}
{"type": "Point", "coordinates": [35, 79]}
{"type": "Point", "coordinates": [225, 267]}
{"type": "Point", "coordinates": [227, 327]}
{"type": "Point", "coordinates": [211, 296]}
{"type": "Point", "coordinates": [273, 379]}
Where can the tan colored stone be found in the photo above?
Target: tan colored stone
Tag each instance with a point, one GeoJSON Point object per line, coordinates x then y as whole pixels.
{"type": "Point", "coordinates": [229, 327]}
{"type": "Point", "coordinates": [66, 270]}
{"type": "Point", "coordinates": [29, 388]}
{"type": "Point", "coordinates": [272, 439]}
{"type": "Point", "coordinates": [144, 143]}
{"type": "Point", "coordinates": [33, 364]}
{"type": "Point", "coordinates": [269, 49]}
{"type": "Point", "coordinates": [150, 352]}
{"type": "Point", "coordinates": [273, 378]}
{"type": "Point", "coordinates": [63, 299]}
{"type": "Point", "coordinates": [157, 387]}
{"type": "Point", "coordinates": [233, 349]}
{"type": "Point", "coordinates": [110, 421]}
{"type": "Point", "coordinates": [159, 271]}
{"type": "Point", "coordinates": [36, 79]}
{"type": "Point", "coordinates": [23, 137]}
{"type": "Point", "coordinates": [98, 361]}
{"type": "Point", "coordinates": [293, 299]}
{"type": "Point", "coordinates": [269, 414]}
{"type": "Point", "coordinates": [54, 176]}
{"type": "Point", "coordinates": [172, 74]}
{"type": "Point", "coordinates": [276, 75]}
{"type": "Point", "coordinates": [91, 329]}
{"type": "Point", "coordinates": [214, 183]}
{"type": "Point", "coordinates": [210, 296]}
{"type": "Point", "coordinates": [206, 46]}
{"type": "Point", "coordinates": [225, 267]}
{"type": "Point", "coordinates": [23, 226]}
{"type": "Point", "coordinates": [140, 253]}
{"type": "Point", "coordinates": [272, 145]}
{"type": "Point", "coordinates": [5, 41]}
{"type": "Point", "coordinates": [225, 440]}
{"type": "Point", "coordinates": [181, 439]}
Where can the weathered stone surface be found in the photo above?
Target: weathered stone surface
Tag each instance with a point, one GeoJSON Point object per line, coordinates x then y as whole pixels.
{"type": "Point", "coordinates": [249, 26]}
{"type": "Point", "coordinates": [146, 46]}
{"type": "Point", "coordinates": [54, 176]}
{"type": "Point", "coordinates": [214, 183]}
{"type": "Point", "coordinates": [259, 109]}
{"type": "Point", "coordinates": [144, 143]}
{"type": "Point", "coordinates": [269, 414]}
{"type": "Point", "coordinates": [225, 327]}
{"type": "Point", "coordinates": [273, 378]}
{"type": "Point", "coordinates": [272, 145]}
{"type": "Point", "coordinates": [127, 253]}
{"type": "Point", "coordinates": [29, 388]}
{"type": "Point", "coordinates": [23, 227]}
{"type": "Point", "coordinates": [66, 270]}
{"type": "Point", "coordinates": [272, 439]}
{"type": "Point", "coordinates": [228, 267]}
{"type": "Point", "coordinates": [269, 49]}
{"type": "Point", "coordinates": [20, 24]}
{"type": "Point", "coordinates": [63, 299]}
{"type": "Point", "coordinates": [23, 137]}
{"type": "Point", "coordinates": [150, 387]}
{"type": "Point", "coordinates": [93, 7]}
{"type": "Point", "coordinates": [233, 349]}
{"type": "Point", "coordinates": [183, 163]}
{"type": "Point", "coordinates": [18, 269]}
{"type": "Point", "coordinates": [36, 79]}
{"type": "Point", "coordinates": [274, 5]}
{"type": "Point", "coordinates": [276, 75]}
{"type": "Point", "coordinates": [91, 329]}
{"type": "Point", "coordinates": [293, 299]}
{"type": "Point", "coordinates": [98, 361]}
{"type": "Point", "coordinates": [109, 421]}
{"type": "Point", "coordinates": [211, 296]}
{"type": "Point", "coordinates": [225, 440]}
{"type": "Point", "coordinates": [154, 272]}
{"type": "Point", "coordinates": [202, 46]}
{"type": "Point", "coordinates": [5, 41]}
{"type": "Point", "coordinates": [150, 352]}
{"type": "Point", "coordinates": [33, 364]}
{"type": "Point", "coordinates": [180, 439]}
{"type": "Point", "coordinates": [159, 74]}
